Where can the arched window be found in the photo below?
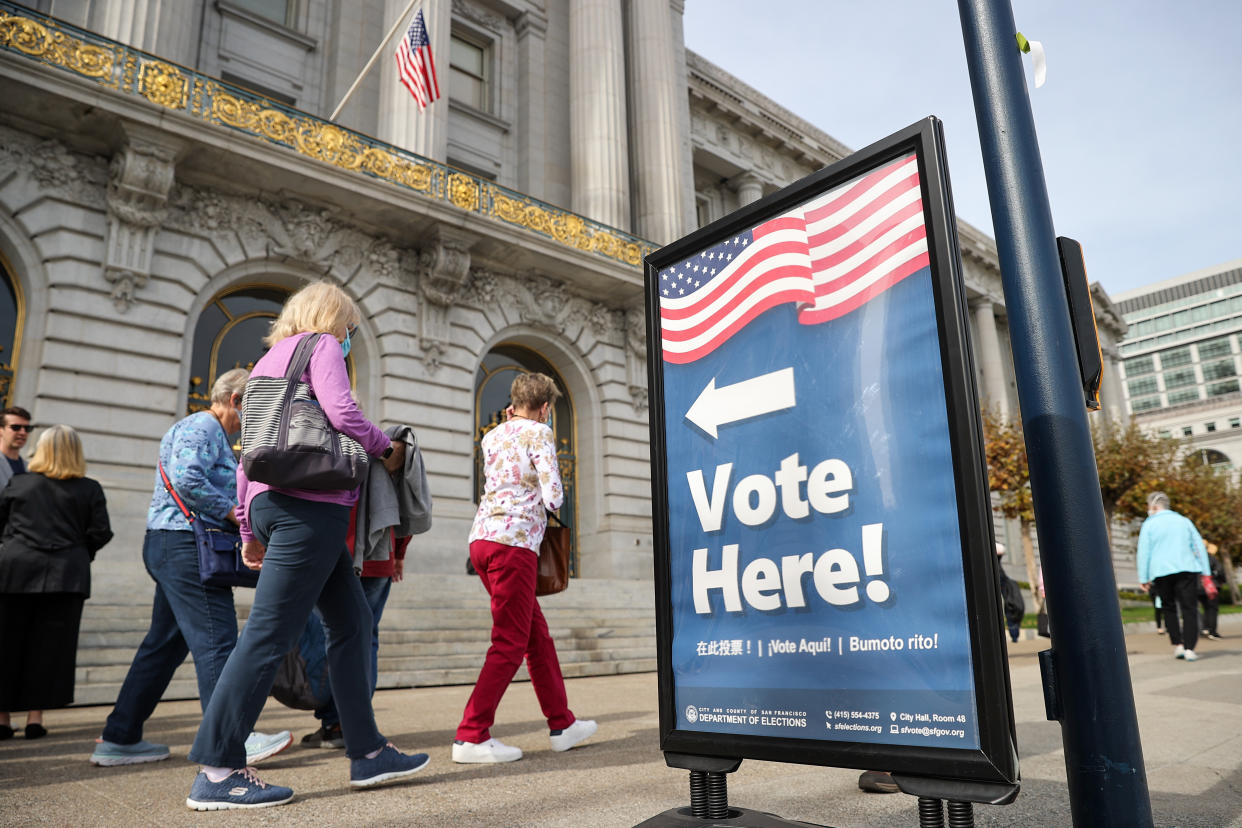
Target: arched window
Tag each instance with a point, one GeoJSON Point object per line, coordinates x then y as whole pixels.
{"type": "Point", "coordinates": [230, 335]}
{"type": "Point", "coordinates": [12, 316]}
{"type": "Point", "coordinates": [491, 396]}
{"type": "Point", "coordinates": [1209, 457]}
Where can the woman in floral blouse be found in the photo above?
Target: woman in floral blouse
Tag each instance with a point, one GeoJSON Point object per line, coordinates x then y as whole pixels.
{"type": "Point", "coordinates": [521, 482]}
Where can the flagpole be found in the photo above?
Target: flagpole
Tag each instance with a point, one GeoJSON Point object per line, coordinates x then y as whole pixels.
{"type": "Point", "coordinates": [383, 43]}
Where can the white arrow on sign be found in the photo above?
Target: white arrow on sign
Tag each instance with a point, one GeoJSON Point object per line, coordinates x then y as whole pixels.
{"type": "Point", "coordinates": [742, 400]}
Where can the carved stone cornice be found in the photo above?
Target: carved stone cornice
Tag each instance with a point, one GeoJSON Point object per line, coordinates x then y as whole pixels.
{"type": "Point", "coordinates": [284, 228]}
{"type": "Point", "coordinates": [140, 180]}
{"type": "Point", "coordinates": [53, 167]}
{"type": "Point", "coordinates": [531, 22]}
{"type": "Point", "coordinates": [385, 261]}
{"type": "Point", "coordinates": [544, 303]}
{"type": "Point", "coordinates": [474, 14]}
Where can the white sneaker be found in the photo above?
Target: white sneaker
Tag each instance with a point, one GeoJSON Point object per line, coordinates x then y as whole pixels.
{"type": "Point", "coordinates": [1179, 651]}
{"type": "Point", "coordinates": [260, 746]}
{"type": "Point", "coordinates": [482, 753]}
{"type": "Point", "coordinates": [1190, 656]}
{"type": "Point", "coordinates": [579, 731]}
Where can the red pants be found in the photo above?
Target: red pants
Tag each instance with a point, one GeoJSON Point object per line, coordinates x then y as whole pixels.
{"type": "Point", "coordinates": [518, 631]}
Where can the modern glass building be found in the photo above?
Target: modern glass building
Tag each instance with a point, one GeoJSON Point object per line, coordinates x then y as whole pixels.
{"type": "Point", "coordinates": [1181, 359]}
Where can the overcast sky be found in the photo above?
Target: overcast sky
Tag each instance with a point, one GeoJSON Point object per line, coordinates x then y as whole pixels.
{"type": "Point", "coordinates": [1139, 123]}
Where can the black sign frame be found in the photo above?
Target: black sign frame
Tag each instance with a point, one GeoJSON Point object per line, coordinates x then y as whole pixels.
{"type": "Point", "coordinates": [996, 759]}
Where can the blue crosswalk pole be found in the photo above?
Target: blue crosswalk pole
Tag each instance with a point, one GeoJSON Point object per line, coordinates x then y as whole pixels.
{"type": "Point", "coordinates": [1090, 681]}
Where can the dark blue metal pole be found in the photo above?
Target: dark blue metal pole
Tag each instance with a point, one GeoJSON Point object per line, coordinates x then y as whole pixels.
{"type": "Point", "coordinates": [1099, 727]}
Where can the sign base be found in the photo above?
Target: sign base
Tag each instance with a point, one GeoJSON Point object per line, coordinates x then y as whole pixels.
{"type": "Point", "coordinates": [738, 818]}
{"type": "Point", "coordinates": [956, 790]}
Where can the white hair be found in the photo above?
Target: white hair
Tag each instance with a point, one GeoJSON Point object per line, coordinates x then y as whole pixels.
{"type": "Point", "coordinates": [229, 383]}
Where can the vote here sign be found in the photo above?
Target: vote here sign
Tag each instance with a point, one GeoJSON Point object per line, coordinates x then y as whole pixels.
{"type": "Point", "coordinates": [822, 521]}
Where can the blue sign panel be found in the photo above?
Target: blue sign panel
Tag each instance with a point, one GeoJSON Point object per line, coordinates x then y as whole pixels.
{"type": "Point", "coordinates": [814, 566]}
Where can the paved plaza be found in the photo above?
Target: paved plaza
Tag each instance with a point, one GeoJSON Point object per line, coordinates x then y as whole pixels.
{"type": "Point", "coordinates": [1189, 714]}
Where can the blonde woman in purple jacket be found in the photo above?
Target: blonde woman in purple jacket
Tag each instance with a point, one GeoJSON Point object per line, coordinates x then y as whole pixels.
{"type": "Point", "coordinates": [296, 538]}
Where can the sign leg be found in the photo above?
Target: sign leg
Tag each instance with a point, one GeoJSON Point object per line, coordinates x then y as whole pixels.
{"type": "Point", "coordinates": [709, 794]}
{"type": "Point", "coordinates": [961, 814]}
{"type": "Point", "coordinates": [931, 812]}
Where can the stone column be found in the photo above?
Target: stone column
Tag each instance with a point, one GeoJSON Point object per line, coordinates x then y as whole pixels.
{"type": "Point", "coordinates": [400, 122]}
{"type": "Point", "coordinates": [1112, 400]}
{"type": "Point", "coordinates": [749, 188]}
{"type": "Point", "coordinates": [599, 153]}
{"type": "Point", "coordinates": [994, 394]}
{"type": "Point", "coordinates": [532, 175]}
{"type": "Point", "coordinates": [167, 28]}
{"type": "Point", "coordinates": [689, 208]}
{"type": "Point", "coordinates": [655, 99]}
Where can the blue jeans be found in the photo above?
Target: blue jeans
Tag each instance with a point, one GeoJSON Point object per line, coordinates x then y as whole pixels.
{"type": "Point", "coordinates": [186, 617]}
{"type": "Point", "coordinates": [376, 590]}
{"type": "Point", "coordinates": [306, 565]}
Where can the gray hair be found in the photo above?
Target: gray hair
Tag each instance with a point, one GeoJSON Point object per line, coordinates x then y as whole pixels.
{"type": "Point", "coordinates": [1157, 500]}
{"type": "Point", "coordinates": [228, 384]}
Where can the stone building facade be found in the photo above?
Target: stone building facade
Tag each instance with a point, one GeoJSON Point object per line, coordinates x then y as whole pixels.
{"type": "Point", "coordinates": [168, 174]}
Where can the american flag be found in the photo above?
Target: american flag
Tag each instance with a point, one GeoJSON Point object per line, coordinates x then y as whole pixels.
{"type": "Point", "coordinates": [829, 255]}
{"type": "Point", "coordinates": [415, 65]}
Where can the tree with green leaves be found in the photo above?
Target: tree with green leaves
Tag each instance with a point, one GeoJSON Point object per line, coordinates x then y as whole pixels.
{"type": "Point", "coordinates": [1206, 495]}
{"type": "Point", "coordinates": [1127, 458]}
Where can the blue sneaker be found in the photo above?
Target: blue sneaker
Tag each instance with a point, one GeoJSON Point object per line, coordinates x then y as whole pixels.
{"type": "Point", "coordinates": [108, 754]}
{"type": "Point", "coordinates": [260, 746]}
{"type": "Point", "coordinates": [240, 789]}
{"type": "Point", "coordinates": [389, 764]}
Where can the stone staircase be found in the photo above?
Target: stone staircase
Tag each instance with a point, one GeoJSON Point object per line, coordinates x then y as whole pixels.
{"type": "Point", "coordinates": [435, 631]}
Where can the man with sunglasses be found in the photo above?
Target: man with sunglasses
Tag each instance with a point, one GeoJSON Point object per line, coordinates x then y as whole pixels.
{"type": "Point", "coordinates": [14, 430]}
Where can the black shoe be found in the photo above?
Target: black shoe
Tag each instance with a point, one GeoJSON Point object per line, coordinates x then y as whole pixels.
{"type": "Point", "coordinates": [877, 782]}
{"type": "Point", "coordinates": [1214, 636]}
{"type": "Point", "coordinates": [327, 736]}
{"type": "Point", "coordinates": [6, 732]}
{"type": "Point", "coordinates": [35, 731]}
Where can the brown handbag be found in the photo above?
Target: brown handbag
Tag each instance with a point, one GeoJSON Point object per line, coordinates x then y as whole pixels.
{"type": "Point", "coordinates": [553, 558]}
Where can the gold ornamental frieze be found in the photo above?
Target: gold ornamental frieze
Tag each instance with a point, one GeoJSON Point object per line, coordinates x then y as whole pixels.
{"type": "Point", "coordinates": [136, 73]}
{"type": "Point", "coordinates": [163, 84]}
{"type": "Point", "coordinates": [566, 228]}
{"type": "Point", "coordinates": [463, 191]}
{"type": "Point", "coordinates": [46, 43]}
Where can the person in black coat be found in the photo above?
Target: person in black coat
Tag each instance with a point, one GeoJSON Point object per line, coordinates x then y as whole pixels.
{"type": "Point", "coordinates": [1210, 603]}
{"type": "Point", "coordinates": [1011, 595]}
{"type": "Point", "coordinates": [52, 522]}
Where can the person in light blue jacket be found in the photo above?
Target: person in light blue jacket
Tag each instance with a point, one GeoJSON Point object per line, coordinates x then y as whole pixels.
{"type": "Point", "coordinates": [1171, 557]}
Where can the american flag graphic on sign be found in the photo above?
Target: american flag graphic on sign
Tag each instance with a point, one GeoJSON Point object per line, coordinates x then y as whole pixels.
{"type": "Point", "coordinates": [829, 256]}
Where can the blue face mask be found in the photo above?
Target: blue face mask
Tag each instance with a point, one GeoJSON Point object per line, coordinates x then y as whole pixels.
{"type": "Point", "coordinates": [345, 345]}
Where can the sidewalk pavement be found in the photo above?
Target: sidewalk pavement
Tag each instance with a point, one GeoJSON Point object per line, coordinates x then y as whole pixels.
{"type": "Point", "coordinates": [1188, 713]}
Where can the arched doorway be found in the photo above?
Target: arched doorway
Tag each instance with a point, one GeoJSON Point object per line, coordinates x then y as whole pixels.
{"type": "Point", "coordinates": [12, 317]}
{"type": "Point", "coordinates": [491, 397]}
{"type": "Point", "coordinates": [230, 335]}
